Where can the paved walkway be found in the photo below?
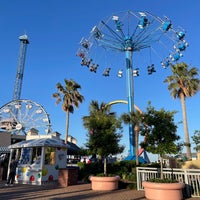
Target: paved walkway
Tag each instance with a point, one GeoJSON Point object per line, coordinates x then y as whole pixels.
{"type": "Point", "coordinates": [75, 192]}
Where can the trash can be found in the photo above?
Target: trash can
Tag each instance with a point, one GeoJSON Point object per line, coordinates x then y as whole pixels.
{"type": "Point", "coordinates": [68, 176]}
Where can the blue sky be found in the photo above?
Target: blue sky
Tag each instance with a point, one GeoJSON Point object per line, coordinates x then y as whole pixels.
{"type": "Point", "coordinates": [55, 28]}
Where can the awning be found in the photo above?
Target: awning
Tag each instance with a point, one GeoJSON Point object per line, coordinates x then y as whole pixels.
{"type": "Point", "coordinates": [46, 142]}
{"type": "Point", "coordinates": [41, 142]}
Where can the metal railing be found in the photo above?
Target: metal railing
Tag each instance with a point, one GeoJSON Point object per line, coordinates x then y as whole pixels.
{"type": "Point", "coordinates": [191, 178]}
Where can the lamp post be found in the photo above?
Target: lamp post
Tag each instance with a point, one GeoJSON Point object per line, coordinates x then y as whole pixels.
{"type": "Point", "coordinates": [128, 32]}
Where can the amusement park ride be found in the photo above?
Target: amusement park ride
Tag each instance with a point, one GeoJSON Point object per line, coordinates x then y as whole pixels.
{"type": "Point", "coordinates": [128, 32]}
{"type": "Point", "coordinates": [21, 115]}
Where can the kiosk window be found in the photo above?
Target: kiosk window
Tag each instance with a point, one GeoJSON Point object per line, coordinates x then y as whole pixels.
{"type": "Point", "coordinates": [25, 156]}
{"type": "Point", "coordinates": [50, 156]}
{"type": "Point", "coordinates": [36, 154]}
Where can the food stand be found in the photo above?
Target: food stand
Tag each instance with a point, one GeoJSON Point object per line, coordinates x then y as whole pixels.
{"type": "Point", "coordinates": [39, 159]}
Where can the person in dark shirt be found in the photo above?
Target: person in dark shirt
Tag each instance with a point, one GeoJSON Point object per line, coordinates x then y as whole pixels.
{"type": "Point", "coordinates": [12, 172]}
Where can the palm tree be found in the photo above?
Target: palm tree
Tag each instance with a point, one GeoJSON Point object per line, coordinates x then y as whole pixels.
{"type": "Point", "coordinates": [70, 97]}
{"type": "Point", "coordinates": [104, 131]}
{"type": "Point", "coordinates": [183, 83]}
{"type": "Point", "coordinates": [134, 118]}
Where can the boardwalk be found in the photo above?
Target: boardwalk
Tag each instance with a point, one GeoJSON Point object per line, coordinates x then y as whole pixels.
{"type": "Point", "coordinates": [75, 192]}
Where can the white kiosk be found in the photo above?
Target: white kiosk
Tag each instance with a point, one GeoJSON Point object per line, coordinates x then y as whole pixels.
{"type": "Point", "coordinates": [39, 158]}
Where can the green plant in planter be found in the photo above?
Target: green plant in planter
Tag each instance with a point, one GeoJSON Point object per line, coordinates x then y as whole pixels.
{"type": "Point", "coordinates": [104, 132]}
{"type": "Point", "coordinates": [161, 137]}
{"type": "Point", "coordinates": [164, 180]}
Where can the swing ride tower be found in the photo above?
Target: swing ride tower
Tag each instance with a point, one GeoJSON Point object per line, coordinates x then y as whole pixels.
{"type": "Point", "coordinates": [129, 32]}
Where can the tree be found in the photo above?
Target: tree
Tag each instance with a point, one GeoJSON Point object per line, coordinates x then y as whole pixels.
{"type": "Point", "coordinates": [161, 136]}
{"type": "Point", "coordinates": [104, 131]}
{"type": "Point", "coordinates": [196, 140]}
{"type": "Point", "coordinates": [135, 118]}
{"type": "Point", "coordinates": [70, 98]}
{"type": "Point", "coordinates": [183, 82]}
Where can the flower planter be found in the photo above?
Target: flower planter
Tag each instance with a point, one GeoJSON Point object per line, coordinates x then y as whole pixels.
{"type": "Point", "coordinates": [163, 191]}
{"type": "Point", "coordinates": [104, 183]}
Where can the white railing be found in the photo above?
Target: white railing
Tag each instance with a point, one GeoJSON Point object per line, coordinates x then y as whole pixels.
{"type": "Point", "coordinates": [191, 178]}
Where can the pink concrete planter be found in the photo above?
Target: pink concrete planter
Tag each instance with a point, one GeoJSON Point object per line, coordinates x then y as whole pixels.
{"type": "Point", "coordinates": [104, 183]}
{"type": "Point", "coordinates": [163, 191]}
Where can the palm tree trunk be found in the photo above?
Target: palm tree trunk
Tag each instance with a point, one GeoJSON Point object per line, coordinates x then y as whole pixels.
{"type": "Point", "coordinates": [161, 167]}
{"type": "Point", "coordinates": [67, 126]}
{"type": "Point", "coordinates": [186, 132]}
{"type": "Point", "coordinates": [136, 149]}
{"type": "Point", "coordinates": [105, 166]}
{"type": "Point", "coordinates": [136, 130]}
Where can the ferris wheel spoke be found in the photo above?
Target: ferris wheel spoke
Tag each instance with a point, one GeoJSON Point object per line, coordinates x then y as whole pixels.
{"type": "Point", "coordinates": [28, 106]}
{"type": "Point", "coordinates": [18, 108]}
{"type": "Point", "coordinates": [13, 115]}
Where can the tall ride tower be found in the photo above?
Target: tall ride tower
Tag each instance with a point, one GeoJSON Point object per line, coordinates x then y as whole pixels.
{"type": "Point", "coordinates": [130, 32]}
{"type": "Point", "coordinates": [21, 116]}
{"type": "Point", "coordinates": [20, 69]}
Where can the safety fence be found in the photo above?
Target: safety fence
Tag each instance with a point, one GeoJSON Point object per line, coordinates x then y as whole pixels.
{"type": "Point", "coordinates": [191, 178]}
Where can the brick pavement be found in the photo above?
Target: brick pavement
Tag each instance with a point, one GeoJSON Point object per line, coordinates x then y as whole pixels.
{"type": "Point", "coordinates": [75, 192]}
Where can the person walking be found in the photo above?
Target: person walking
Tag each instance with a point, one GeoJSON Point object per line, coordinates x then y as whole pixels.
{"type": "Point", "coordinates": [12, 172]}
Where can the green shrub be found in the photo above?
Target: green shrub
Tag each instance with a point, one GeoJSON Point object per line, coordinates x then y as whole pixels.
{"type": "Point", "coordinates": [86, 170]}
{"type": "Point", "coordinates": [125, 169]}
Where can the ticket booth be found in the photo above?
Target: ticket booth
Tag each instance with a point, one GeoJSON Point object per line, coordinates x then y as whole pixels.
{"type": "Point", "coordinates": [39, 159]}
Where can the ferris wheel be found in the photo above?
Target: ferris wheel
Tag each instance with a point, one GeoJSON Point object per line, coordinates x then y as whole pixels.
{"type": "Point", "coordinates": [20, 116]}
